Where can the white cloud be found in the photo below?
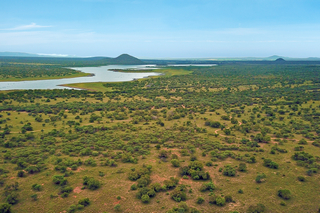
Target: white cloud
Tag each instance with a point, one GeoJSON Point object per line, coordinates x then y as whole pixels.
{"type": "Point", "coordinates": [28, 27]}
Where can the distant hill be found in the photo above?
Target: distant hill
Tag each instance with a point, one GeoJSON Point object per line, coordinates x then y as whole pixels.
{"type": "Point", "coordinates": [18, 54]}
{"type": "Point", "coordinates": [126, 59]}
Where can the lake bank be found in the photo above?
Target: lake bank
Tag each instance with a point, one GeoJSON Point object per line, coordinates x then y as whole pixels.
{"type": "Point", "coordinates": [93, 75]}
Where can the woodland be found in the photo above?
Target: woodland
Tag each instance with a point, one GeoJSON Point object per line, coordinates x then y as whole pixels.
{"type": "Point", "coordinates": [237, 137]}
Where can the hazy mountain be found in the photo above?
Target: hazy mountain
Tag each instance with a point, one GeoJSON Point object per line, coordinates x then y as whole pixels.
{"type": "Point", "coordinates": [18, 54]}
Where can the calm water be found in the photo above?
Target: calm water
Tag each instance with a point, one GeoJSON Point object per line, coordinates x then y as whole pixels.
{"type": "Point", "coordinates": [102, 74]}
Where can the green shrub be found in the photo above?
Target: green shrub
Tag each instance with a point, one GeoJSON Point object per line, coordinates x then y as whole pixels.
{"type": "Point", "coordinates": [207, 187]}
{"type": "Point", "coordinates": [134, 187]}
{"type": "Point", "coordinates": [36, 187]}
{"type": "Point", "coordinates": [178, 195]}
{"type": "Point", "coordinates": [117, 207]}
{"type": "Point", "coordinates": [229, 171]}
{"type": "Point", "coordinates": [217, 200]}
{"type": "Point", "coordinates": [20, 174]}
{"type": "Point", "coordinates": [91, 183]}
{"type": "Point", "coordinates": [5, 208]}
{"type": "Point", "coordinates": [269, 163]}
{"type": "Point", "coordinates": [260, 177]}
{"type": "Point", "coordinates": [34, 197]}
{"type": "Point", "coordinates": [259, 208]}
{"type": "Point", "coordinates": [228, 198]}
{"type": "Point", "coordinates": [145, 198]}
{"type": "Point", "coordinates": [200, 200]}
{"type": "Point", "coordinates": [60, 180]}
{"type": "Point", "coordinates": [175, 162]}
{"type": "Point", "coordinates": [84, 202]}
{"type": "Point", "coordinates": [284, 193]}
{"type": "Point", "coordinates": [242, 167]}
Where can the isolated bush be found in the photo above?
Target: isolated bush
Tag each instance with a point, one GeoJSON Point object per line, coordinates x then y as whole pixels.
{"type": "Point", "coordinates": [134, 187]}
{"type": "Point", "coordinates": [228, 198]}
{"type": "Point", "coordinates": [207, 187]}
{"type": "Point", "coordinates": [34, 197]}
{"type": "Point", "coordinates": [284, 193]}
{"type": "Point", "coordinates": [175, 162]}
{"type": "Point", "coordinates": [178, 195]}
{"type": "Point", "coordinates": [91, 183]}
{"type": "Point", "coordinates": [260, 177]}
{"type": "Point", "coordinates": [259, 208]}
{"type": "Point", "coordinates": [200, 200]}
{"type": "Point", "coordinates": [145, 198]}
{"type": "Point", "coordinates": [84, 202]}
{"type": "Point", "coordinates": [58, 179]}
{"type": "Point", "coordinates": [217, 200]}
{"type": "Point", "coordinates": [20, 174]}
{"type": "Point", "coordinates": [242, 167]}
{"type": "Point", "coordinates": [269, 163]}
{"type": "Point", "coordinates": [117, 207]}
{"type": "Point", "coordinates": [36, 187]}
{"type": "Point", "coordinates": [229, 171]}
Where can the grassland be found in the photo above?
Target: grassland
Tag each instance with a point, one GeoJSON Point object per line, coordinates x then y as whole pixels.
{"type": "Point", "coordinates": [124, 127]}
{"type": "Point", "coordinates": [93, 86]}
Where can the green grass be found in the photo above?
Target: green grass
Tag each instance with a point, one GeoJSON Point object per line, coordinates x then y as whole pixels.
{"type": "Point", "coordinates": [92, 86]}
{"type": "Point", "coordinates": [117, 184]}
{"type": "Point", "coordinates": [116, 137]}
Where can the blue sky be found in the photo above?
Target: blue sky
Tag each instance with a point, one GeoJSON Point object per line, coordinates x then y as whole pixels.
{"type": "Point", "coordinates": [162, 28]}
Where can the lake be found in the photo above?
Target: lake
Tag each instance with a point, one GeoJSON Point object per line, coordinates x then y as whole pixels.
{"type": "Point", "coordinates": [101, 74]}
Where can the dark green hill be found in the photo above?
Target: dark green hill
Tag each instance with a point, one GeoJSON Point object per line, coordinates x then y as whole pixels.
{"type": "Point", "coordinates": [126, 59]}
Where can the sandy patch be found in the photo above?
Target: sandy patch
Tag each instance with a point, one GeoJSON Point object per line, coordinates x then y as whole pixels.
{"type": "Point", "coordinates": [77, 190]}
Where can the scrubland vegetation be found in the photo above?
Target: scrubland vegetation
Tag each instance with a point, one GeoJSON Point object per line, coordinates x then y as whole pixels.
{"type": "Point", "coordinates": [230, 138]}
{"type": "Point", "coordinates": [24, 72]}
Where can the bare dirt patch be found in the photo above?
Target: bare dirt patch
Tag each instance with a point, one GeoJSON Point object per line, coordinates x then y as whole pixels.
{"type": "Point", "coordinates": [77, 190]}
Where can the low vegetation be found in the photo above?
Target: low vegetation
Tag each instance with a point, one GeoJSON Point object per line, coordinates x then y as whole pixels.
{"type": "Point", "coordinates": [217, 139]}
